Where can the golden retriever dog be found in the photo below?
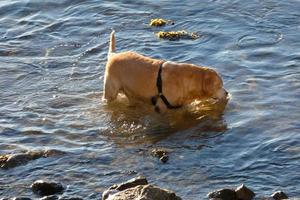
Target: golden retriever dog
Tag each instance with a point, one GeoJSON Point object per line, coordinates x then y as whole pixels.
{"type": "Point", "coordinates": [164, 84]}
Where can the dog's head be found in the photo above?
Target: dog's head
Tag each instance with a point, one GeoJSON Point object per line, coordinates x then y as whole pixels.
{"type": "Point", "coordinates": [212, 85]}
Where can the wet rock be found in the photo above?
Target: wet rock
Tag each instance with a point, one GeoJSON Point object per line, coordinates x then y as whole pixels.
{"type": "Point", "coordinates": [244, 193]}
{"type": "Point", "coordinates": [140, 180]}
{"type": "Point", "coordinates": [223, 194]}
{"type": "Point", "coordinates": [138, 189]}
{"type": "Point", "coordinates": [144, 192]}
{"type": "Point", "coordinates": [51, 197]}
{"type": "Point", "coordinates": [109, 193]}
{"type": "Point", "coordinates": [14, 160]}
{"type": "Point", "coordinates": [21, 198]}
{"type": "Point", "coordinates": [70, 198]}
{"type": "Point", "coordinates": [53, 153]}
{"type": "Point", "coordinates": [279, 195]}
{"type": "Point", "coordinates": [44, 188]}
{"type": "Point", "coordinates": [164, 159]}
{"type": "Point", "coordinates": [162, 154]}
{"type": "Point", "coordinates": [159, 152]}
{"type": "Point", "coordinates": [10, 161]}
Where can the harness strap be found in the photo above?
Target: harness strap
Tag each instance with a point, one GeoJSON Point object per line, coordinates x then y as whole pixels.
{"type": "Point", "coordinates": [159, 89]}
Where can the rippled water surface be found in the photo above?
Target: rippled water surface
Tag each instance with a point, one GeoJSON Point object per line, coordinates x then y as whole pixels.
{"type": "Point", "coordinates": [52, 59]}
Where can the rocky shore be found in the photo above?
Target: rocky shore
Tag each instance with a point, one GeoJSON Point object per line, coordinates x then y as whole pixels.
{"type": "Point", "coordinates": [134, 189]}
{"type": "Point", "coordinates": [139, 189]}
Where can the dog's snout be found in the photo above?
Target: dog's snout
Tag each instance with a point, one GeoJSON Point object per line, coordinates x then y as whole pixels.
{"type": "Point", "coordinates": [226, 92]}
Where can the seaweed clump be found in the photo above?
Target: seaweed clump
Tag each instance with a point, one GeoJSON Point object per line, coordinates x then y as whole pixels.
{"type": "Point", "coordinates": [160, 22]}
{"type": "Point", "coordinates": [176, 35]}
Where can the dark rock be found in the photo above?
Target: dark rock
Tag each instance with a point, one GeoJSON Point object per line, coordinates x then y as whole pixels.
{"type": "Point", "coordinates": [46, 188]}
{"type": "Point", "coordinates": [14, 160]}
{"type": "Point", "coordinates": [244, 193]}
{"type": "Point", "coordinates": [51, 197]}
{"type": "Point", "coordinates": [164, 158]}
{"type": "Point", "coordinates": [159, 153]}
{"type": "Point", "coordinates": [223, 194]}
{"type": "Point", "coordinates": [21, 198]}
{"type": "Point", "coordinates": [140, 180]}
{"type": "Point", "coordinates": [144, 192]}
{"type": "Point", "coordinates": [279, 195]}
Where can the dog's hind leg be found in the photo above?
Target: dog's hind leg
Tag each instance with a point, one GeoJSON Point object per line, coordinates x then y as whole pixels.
{"type": "Point", "coordinates": [110, 90]}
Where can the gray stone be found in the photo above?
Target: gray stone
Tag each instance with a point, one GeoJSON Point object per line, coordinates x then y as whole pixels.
{"type": "Point", "coordinates": [279, 195]}
{"type": "Point", "coordinates": [244, 193]}
{"type": "Point", "coordinates": [140, 180]}
{"type": "Point", "coordinates": [223, 194]}
{"type": "Point", "coordinates": [144, 192]}
{"type": "Point", "coordinates": [44, 188]}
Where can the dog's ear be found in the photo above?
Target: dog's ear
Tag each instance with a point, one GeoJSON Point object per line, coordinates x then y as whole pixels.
{"type": "Point", "coordinates": [212, 82]}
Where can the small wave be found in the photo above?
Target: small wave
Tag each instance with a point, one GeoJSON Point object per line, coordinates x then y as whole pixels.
{"type": "Point", "coordinates": [261, 38]}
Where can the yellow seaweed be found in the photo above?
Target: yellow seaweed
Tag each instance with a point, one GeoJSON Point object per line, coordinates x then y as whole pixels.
{"type": "Point", "coordinates": [158, 22]}
{"type": "Point", "coordinates": [176, 35]}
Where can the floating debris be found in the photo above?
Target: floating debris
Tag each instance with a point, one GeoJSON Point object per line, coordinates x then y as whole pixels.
{"type": "Point", "coordinates": [176, 35]}
{"type": "Point", "coordinates": [160, 22]}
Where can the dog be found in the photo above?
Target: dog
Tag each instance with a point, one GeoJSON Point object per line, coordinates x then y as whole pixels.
{"type": "Point", "coordinates": [164, 84]}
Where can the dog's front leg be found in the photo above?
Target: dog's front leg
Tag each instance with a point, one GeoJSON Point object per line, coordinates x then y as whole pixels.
{"type": "Point", "coordinates": [110, 90]}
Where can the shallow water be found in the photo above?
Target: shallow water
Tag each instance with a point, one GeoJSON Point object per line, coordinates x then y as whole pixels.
{"type": "Point", "coordinates": [52, 59]}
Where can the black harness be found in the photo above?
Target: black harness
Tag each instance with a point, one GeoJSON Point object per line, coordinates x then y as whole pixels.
{"type": "Point", "coordinates": [160, 94]}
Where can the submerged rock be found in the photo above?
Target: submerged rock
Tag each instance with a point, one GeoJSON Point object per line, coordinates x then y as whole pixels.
{"type": "Point", "coordinates": [222, 194]}
{"type": "Point", "coordinates": [14, 160]}
{"type": "Point", "coordinates": [244, 193]}
{"type": "Point", "coordinates": [138, 189]}
{"type": "Point", "coordinates": [162, 154]}
{"type": "Point", "coordinates": [10, 161]}
{"type": "Point", "coordinates": [279, 195]}
{"type": "Point", "coordinates": [44, 188]}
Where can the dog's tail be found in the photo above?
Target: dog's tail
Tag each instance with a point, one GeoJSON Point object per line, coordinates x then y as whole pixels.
{"type": "Point", "coordinates": [112, 43]}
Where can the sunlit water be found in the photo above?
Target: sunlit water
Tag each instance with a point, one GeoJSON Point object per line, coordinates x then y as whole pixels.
{"type": "Point", "coordinates": [52, 59]}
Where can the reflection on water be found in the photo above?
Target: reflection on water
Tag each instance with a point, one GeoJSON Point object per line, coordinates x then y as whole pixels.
{"type": "Point", "coordinates": [139, 124]}
{"type": "Point", "coordinates": [52, 58]}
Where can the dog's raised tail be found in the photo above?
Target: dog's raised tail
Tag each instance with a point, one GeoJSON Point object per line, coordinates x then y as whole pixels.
{"type": "Point", "coordinates": [112, 42]}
